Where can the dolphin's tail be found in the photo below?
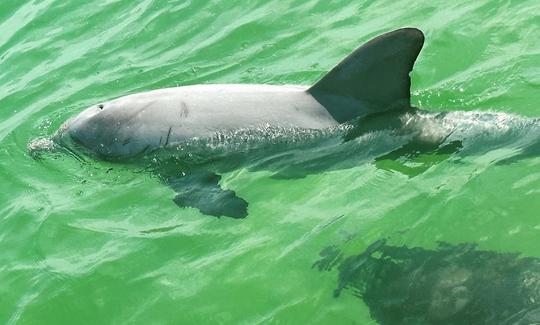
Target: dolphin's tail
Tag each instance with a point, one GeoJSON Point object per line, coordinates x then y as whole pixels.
{"type": "Point", "coordinates": [372, 79]}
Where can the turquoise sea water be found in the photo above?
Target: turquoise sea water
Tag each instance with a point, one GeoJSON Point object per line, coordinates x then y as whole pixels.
{"type": "Point", "coordinates": [94, 242]}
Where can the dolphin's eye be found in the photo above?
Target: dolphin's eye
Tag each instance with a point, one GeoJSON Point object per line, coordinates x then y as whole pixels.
{"type": "Point", "coordinates": [100, 106]}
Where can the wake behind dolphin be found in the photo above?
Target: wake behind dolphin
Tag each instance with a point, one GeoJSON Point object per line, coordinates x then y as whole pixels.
{"type": "Point", "coordinates": [367, 93]}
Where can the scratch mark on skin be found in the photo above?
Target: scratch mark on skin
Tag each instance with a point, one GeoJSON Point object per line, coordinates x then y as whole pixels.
{"type": "Point", "coordinates": [126, 141]}
{"type": "Point", "coordinates": [184, 112]}
{"type": "Point", "coordinates": [168, 136]}
{"type": "Point", "coordinates": [145, 149]}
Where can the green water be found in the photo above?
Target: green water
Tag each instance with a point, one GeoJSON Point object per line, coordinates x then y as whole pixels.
{"type": "Point", "coordinates": [83, 244]}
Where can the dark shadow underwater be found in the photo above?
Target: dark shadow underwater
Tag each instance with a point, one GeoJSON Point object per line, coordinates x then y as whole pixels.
{"type": "Point", "coordinates": [452, 284]}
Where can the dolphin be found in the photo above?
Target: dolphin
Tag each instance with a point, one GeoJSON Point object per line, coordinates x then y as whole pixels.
{"type": "Point", "coordinates": [372, 80]}
{"type": "Point", "coordinates": [368, 90]}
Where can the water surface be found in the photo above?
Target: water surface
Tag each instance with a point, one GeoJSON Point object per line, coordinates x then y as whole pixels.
{"type": "Point", "coordinates": [92, 242]}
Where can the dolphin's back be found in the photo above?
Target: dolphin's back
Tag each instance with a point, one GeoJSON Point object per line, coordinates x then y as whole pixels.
{"type": "Point", "coordinates": [202, 110]}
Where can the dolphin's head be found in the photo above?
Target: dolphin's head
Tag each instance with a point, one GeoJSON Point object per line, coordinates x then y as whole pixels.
{"type": "Point", "coordinates": [101, 129]}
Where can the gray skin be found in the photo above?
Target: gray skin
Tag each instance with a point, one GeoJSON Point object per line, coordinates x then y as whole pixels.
{"type": "Point", "coordinates": [130, 125]}
{"type": "Point", "coordinates": [373, 79]}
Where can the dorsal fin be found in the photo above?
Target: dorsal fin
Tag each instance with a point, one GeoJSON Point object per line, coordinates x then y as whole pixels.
{"type": "Point", "coordinates": [374, 78]}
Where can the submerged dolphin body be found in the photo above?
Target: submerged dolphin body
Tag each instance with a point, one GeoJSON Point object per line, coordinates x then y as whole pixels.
{"type": "Point", "coordinates": [373, 79]}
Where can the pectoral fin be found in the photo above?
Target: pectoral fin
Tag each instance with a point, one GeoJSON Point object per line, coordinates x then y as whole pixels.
{"type": "Point", "coordinates": [201, 190]}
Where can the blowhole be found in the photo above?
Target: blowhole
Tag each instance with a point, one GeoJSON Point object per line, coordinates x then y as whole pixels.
{"type": "Point", "coordinates": [100, 106]}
